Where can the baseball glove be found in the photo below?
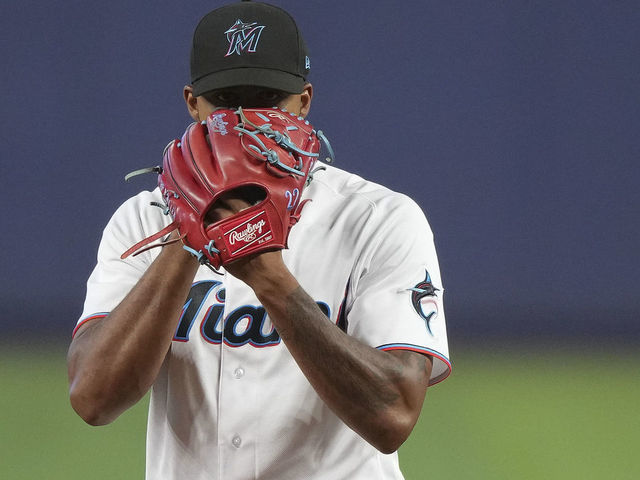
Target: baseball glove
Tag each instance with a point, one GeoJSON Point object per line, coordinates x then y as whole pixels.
{"type": "Point", "coordinates": [264, 156]}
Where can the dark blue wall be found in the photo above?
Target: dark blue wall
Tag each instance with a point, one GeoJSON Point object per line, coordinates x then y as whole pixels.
{"type": "Point", "coordinates": [514, 124]}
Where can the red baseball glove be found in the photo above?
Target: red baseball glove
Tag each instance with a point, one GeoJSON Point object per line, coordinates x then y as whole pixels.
{"type": "Point", "coordinates": [264, 156]}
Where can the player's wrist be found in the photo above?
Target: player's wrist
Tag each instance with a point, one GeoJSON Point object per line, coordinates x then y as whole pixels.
{"type": "Point", "coordinates": [265, 273]}
{"type": "Point", "coordinates": [274, 284]}
{"type": "Point", "coordinates": [178, 254]}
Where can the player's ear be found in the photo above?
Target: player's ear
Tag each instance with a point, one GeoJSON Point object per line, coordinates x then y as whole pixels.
{"type": "Point", "coordinates": [191, 101]}
{"type": "Point", "coordinates": [305, 99]}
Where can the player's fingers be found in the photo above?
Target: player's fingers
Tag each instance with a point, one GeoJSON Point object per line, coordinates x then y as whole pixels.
{"type": "Point", "coordinates": [219, 211]}
{"type": "Point", "coordinates": [231, 203]}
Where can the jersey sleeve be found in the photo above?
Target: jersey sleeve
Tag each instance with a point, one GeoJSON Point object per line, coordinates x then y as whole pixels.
{"type": "Point", "coordinates": [112, 278]}
{"type": "Point", "coordinates": [395, 299]}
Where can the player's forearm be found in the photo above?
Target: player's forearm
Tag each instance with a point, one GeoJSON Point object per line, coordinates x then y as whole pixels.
{"type": "Point", "coordinates": [112, 362]}
{"type": "Point", "coordinates": [373, 392]}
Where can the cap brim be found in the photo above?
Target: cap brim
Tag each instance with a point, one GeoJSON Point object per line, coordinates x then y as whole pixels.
{"type": "Point", "coordinates": [258, 77]}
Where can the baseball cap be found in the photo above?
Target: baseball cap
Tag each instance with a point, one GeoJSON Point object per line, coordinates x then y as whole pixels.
{"type": "Point", "coordinates": [248, 43]}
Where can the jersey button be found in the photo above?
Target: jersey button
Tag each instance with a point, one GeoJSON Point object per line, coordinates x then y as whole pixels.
{"type": "Point", "coordinates": [237, 441]}
{"type": "Point", "coordinates": [238, 372]}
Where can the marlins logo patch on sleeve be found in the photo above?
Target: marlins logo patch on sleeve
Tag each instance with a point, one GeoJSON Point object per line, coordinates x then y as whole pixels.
{"type": "Point", "coordinates": [423, 300]}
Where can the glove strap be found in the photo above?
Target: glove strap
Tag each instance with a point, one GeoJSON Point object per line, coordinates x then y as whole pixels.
{"type": "Point", "coordinates": [138, 247]}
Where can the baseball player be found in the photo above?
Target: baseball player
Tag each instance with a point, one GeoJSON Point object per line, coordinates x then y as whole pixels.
{"type": "Point", "coordinates": [306, 362]}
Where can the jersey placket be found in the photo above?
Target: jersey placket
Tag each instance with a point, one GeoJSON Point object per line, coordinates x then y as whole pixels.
{"type": "Point", "coordinates": [239, 384]}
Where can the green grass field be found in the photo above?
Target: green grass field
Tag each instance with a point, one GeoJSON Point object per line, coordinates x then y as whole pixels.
{"type": "Point", "coordinates": [515, 416]}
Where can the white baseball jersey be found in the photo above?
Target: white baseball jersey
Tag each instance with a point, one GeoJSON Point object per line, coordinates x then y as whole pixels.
{"type": "Point", "coordinates": [230, 401]}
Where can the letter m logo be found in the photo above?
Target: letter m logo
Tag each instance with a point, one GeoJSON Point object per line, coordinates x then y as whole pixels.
{"type": "Point", "coordinates": [243, 37]}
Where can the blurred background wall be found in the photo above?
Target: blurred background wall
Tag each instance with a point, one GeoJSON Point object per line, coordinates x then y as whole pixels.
{"type": "Point", "coordinates": [514, 124]}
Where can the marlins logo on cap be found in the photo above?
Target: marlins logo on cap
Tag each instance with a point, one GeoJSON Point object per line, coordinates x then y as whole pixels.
{"type": "Point", "coordinates": [243, 37]}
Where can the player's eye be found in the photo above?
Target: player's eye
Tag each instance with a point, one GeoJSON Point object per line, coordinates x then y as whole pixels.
{"type": "Point", "coordinates": [273, 96]}
{"type": "Point", "coordinates": [223, 99]}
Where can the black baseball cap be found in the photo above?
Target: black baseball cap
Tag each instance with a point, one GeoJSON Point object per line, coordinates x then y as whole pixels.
{"type": "Point", "coordinates": [248, 43]}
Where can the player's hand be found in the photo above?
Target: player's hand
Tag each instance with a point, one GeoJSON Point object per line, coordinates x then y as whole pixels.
{"type": "Point", "coordinates": [263, 271]}
{"type": "Point", "coordinates": [227, 205]}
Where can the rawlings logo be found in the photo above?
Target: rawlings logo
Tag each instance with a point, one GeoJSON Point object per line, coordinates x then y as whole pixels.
{"type": "Point", "coordinates": [243, 37]}
{"type": "Point", "coordinates": [249, 234]}
{"type": "Point", "coordinates": [218, 125]}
